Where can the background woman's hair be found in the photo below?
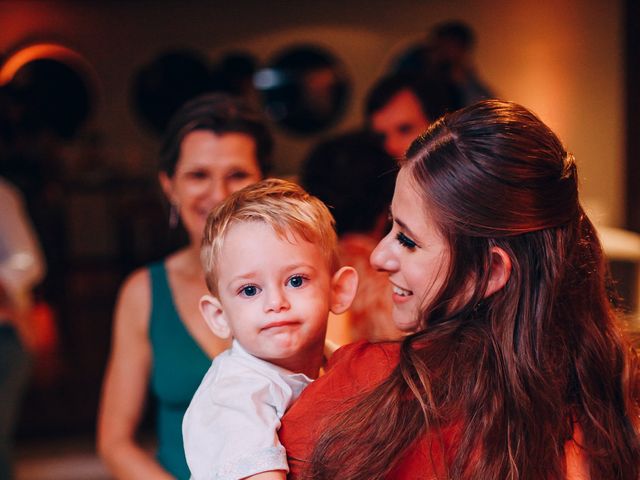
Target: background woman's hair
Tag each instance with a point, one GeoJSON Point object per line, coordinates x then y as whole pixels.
{"type": "Point", "coordinates": [218, 113]}
{"type": "Point", "coordinates": [513, 374]}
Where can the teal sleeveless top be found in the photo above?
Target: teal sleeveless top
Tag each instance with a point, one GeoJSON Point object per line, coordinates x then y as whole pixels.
{"type": "Point", "coordinates": [178, 367]}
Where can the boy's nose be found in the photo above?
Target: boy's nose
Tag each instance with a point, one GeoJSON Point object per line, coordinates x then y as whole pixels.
{"type": "Point", "coordinates": [276, 301]}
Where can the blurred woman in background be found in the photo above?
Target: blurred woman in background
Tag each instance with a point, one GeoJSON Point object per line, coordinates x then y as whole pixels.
{"type": "Point", "coordinates": [214, 146]}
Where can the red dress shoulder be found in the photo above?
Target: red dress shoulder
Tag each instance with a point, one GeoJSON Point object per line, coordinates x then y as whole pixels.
{"type": "Point", "coordinates": [352, 370]}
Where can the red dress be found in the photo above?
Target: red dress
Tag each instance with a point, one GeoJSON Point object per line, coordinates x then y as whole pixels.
{"type": "Point", "coordinates": [352, 369]}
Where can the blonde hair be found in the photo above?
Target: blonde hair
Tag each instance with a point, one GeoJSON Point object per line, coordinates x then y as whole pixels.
{"type": "Point", "coordinates": [284, 206]}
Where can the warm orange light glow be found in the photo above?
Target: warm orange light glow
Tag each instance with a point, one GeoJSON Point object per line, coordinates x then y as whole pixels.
{"type": "Point", "coordinates": [40, 51]}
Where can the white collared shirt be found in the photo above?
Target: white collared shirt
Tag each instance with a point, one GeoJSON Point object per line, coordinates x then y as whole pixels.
{"type": "Point", "coordinates": [230, 429]}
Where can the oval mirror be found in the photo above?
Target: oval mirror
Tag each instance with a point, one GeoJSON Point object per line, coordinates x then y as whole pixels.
{"type": "Point", "coordinates": [304, 89]}
{"type": "Point", "coordinates": [163, 85]}
{"type": "Point", "coordinates": [53, 86]}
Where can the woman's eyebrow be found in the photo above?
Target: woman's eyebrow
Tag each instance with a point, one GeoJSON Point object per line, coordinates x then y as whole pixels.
{"type": "Point", "coordinates": [404, 227]}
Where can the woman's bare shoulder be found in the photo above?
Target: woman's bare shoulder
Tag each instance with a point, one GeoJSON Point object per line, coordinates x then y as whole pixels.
{"type": "Point", "coordinates": [134, 300]}
{"type": "Point", "coordinates": [136, 284]}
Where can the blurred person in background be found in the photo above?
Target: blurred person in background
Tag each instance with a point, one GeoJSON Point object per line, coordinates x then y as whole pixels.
{"type": "Point", "coordinates": [354, 176]}
{"type": "Point", "coordinates": [214, 145]}
{"type": "Point", "coordinates": [400, 107]}
{"type": "Point", "coordinates": [22, 267]}
{"type": "Point", "coordinates": [451, 45]}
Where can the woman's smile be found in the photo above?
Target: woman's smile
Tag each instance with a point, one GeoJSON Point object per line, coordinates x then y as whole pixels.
{"type": "Point", "coordinates": [413, 253]}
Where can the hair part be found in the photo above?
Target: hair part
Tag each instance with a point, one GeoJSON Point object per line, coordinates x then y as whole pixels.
{"type": "Point", "coordinates": [282, 205]}
{"type": "Point", "coordinates": [218, 113]}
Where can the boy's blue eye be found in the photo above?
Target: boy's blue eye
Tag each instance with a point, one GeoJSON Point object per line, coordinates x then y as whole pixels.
{"type": "Point", "coordinates": [296, 281]}
{"type": "Point", "coordinates": [406, 241]}
{"type": "Point", "coordinates": [249, 291]}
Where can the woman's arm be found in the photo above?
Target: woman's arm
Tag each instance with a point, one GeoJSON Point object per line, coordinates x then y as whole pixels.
{"type": "Point", "coordinates": [22, 264]}
{"type": "Point", "coordinates": [125, 385]}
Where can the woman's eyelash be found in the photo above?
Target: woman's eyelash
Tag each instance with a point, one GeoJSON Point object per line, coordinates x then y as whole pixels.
{"type": "Point", "coordinates": [405, 241]}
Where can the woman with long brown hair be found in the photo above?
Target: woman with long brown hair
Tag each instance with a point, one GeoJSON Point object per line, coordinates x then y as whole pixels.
{"type": "Point", "coordinates": [515, 367]}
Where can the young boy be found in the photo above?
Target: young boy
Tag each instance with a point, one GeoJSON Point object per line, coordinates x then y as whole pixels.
{"type": "Point", "coordinates": [269, 256]}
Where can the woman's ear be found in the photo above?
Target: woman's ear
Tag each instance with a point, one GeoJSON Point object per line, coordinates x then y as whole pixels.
{"type": "Point", "coordinates": [166, 185]}
{"type": "Point", "coordinates": [500, 270]}
{"type": "Point", "coordinates": [344, 285]}
{"type": "Point", "coordinates": [211, 310]}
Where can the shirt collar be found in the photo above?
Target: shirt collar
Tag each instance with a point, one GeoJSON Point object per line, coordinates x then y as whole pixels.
{"type": "Point", "coordinates": [239, 350]}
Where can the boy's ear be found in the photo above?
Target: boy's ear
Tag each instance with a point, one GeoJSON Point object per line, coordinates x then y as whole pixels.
{"type": "Point", "coordinates": [211, 310]}
{"type": "Point", "coordinates": [500, 270]}
{"type": "Point", "coordinates": [344, 285]}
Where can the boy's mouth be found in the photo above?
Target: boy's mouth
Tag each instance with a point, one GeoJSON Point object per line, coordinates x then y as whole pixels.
{"type": "Point", "coordinates": [279, 324]}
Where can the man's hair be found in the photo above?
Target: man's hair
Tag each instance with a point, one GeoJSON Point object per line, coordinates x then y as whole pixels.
{"type": "Point", "coordinates": [433, 96]}
{"type": "Point", "coordinates": [284, 206]}
{"type": "Point", "coordinates": [456, 30]}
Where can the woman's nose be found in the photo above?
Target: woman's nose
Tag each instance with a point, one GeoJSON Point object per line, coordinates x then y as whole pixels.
{"type": "Point", "coordinates": [276, 300]}
{"type": "Point", "coordinates": [382, 258]}
{"type": "Point", "coordinates": [219, 190]}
